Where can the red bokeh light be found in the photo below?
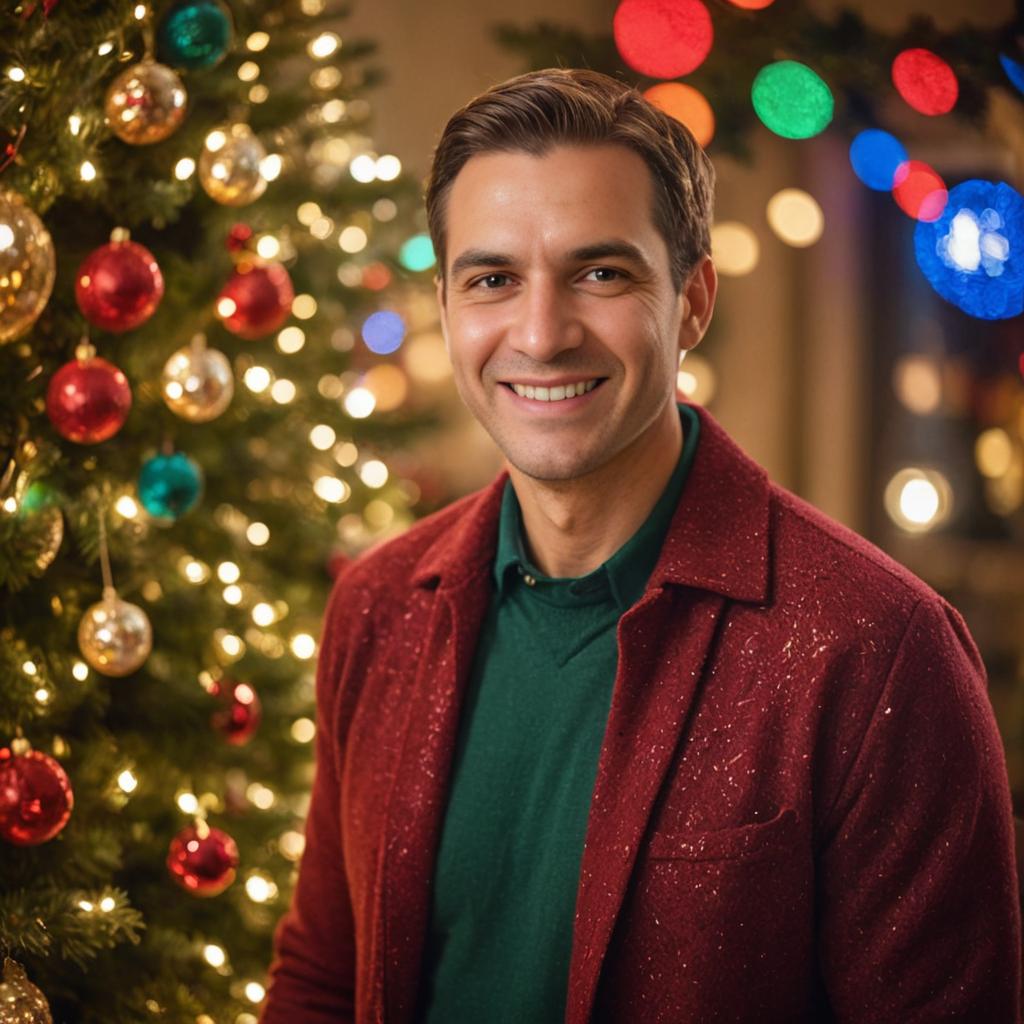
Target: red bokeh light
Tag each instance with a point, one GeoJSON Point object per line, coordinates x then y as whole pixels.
{"type": "Point", "coordinates": [663, 38]}
{"type": "Point", "coordinates": [925, 81]}
{"type": "Point", "coordinates": [919, 191]}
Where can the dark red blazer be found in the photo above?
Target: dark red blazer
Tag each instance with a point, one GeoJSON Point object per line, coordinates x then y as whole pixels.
{"type": "Point", "coordinates": [801, 810]}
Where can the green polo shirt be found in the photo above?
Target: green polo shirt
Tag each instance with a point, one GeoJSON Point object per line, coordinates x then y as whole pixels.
{"type": "Point", "coordinates": [535, 712]}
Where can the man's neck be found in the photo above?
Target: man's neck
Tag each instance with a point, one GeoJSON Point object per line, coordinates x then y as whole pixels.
{"type": "Point", "coordinates": [573, 526]}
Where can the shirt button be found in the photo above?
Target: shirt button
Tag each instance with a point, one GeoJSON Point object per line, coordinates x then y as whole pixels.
{"type": "Point", "coordinates": [529, 580]}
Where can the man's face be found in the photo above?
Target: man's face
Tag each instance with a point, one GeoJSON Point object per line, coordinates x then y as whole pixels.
{"type": "Point", "coordinates": [557, 275]}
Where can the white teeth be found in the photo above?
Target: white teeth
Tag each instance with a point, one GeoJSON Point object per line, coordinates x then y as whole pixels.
{"type": "Point", "coordinates": [555, 394]}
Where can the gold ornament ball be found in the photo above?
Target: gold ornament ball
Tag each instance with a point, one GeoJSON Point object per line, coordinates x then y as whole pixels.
{"type": "Point", "coordinates": [21, 1002]}
{"type": "Point", "coordinates": [27, 266]}
{"type": "Point", "coordinates": [198, 383]}
{"type": "Point", "coordinates": [114, 636]}
{"type": "Point", "coordinates": [229, 167]}
{"type": "Point", "coordinates": [145, 103]}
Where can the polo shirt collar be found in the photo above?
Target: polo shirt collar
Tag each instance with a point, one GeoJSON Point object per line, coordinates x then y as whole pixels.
{"type": "Point", "coordinates": [718, 539]}
{"type": "Point", "coordinates": [624, 575]}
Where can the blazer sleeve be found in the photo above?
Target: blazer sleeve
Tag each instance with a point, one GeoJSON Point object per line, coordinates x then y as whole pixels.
{"type": "Point", "coordinates": [312, 976]}
{"type": "Point", "coordinates": [919, 912]}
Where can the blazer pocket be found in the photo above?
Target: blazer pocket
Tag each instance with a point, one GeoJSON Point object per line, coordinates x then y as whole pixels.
{"type": "Point", "coordinates": [752, 840]}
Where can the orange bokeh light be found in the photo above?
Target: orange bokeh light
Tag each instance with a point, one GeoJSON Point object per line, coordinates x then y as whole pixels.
{"type": "Point", "coordinates": [687, 105]}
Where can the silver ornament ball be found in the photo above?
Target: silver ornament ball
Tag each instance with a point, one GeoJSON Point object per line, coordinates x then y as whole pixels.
{"type": "Point", "coordinates": [115, 636]}
{"type": "Point", "coordinates": [198, 383]}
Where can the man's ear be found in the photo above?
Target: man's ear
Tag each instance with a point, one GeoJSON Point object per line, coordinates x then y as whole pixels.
{"type": "Point", "coordinates": [698, 298]}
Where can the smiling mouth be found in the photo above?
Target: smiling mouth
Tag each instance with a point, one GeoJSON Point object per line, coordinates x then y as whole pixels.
{"type": "Point", "coordinates": [555, 394]}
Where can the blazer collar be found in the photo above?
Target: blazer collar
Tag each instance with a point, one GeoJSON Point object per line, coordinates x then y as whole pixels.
{"type": "Point", "coordinates": [717, 541]}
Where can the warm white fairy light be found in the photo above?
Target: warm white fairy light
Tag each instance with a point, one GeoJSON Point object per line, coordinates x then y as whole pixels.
{"type": "Point", "coordinates": [388, 167]}
{"type": "Point", "coordinates": [16, 74]}
{"type": "Point", "coordinates": [270, 166]}
{"type": "Point", "coordinates": [308, 212]}
{"type": "Point", "coordinates": [86, 905]}
{"type": "Point", "coordinates": [257, 379]}
{"type": "Point", "coordinates": [42, 695]}
{"type": "Point", "coordinates": [346, 454]}
{"type": "Point", "coordinates": [325, 78]}
{"type": "Point", "coordinates": [359, 403]}
{"type": "Point", "coordinates": [324, 45]}
{"type": "Point", "coordinates": [291, 844]}
{"type": "Point", "coordinates": [363, 168]}
{"type": "Point", "coordinates": [80, 671]}
{"type": "Point", "coordinates": [231, 644]}
{"type": "Point", "coordinates": [228, 572]}
{"type": "Point", "coordinates": [283, 391]}
{"type": "Point", "coordinates": [257, 534]}
{"type": "Point", "coordinates": [331, 489]}
{"type": "Point", "coordinates": [127, 781]}
{"type": "Point", "coordinates": [257, 41]}
{"type": "Point", "coordinates": [195, 571]}
{"type": "Point", "coordinates": [303, 730]}
{"type": "Point", "coordinates": [104, 48]}
{"type": "Point", "coordinates": [187, 802]}
{"type": "Point", "coordinates": [303, 646]}
{"type": "Point", "coordinates": [254, 991]}
{"type": "Point", "coordinates": [248, 71]}
{"type": "Point", "coordinates": [260, 796]}
{"type": "Point", "coordinates": [214, 955]}
{"type": "Point", "coordinates": [333, 111]}
{"type": "Point", "coordinates": [352, 239]}
{"type": "Point", "coordinates": [232, 594]}
{"type": "Point", "coordinates": [260, 888]}
{"type": "Point", "coordinates": [290, 340]}
{"type": "Point", "coordinates": [29, 668]}
{"type": "Point", "coordinates": [268, 246]}
{"type": "Point", "coordinates": [322, 436]}
{"type": "Point", "coordinates": [374, 473]}
{"type": "Point", "coordinates": [107, 904]}
{"type": "Point", "coordinates": [126, 507]}
{"type": "Point", "coordinates": [258, 93]}
{"type": "Point", "coordinates": [140, 12]}
{"type": "Point", "coordinates": [74, 124]}
{"type": "Point", "coordinates": [87, 171]}
{"type": "Point", "coordinates": [11, 503]}
{"type": "Point", "coordinates": [304, 306]}
{"type": "Point", "coordinates": [263, 614]}
{"type": "Point", "coordinates": [321, 228]}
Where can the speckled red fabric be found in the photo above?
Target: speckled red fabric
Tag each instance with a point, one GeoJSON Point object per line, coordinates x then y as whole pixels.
{"type": "Point", "coordinates": [801, 811]}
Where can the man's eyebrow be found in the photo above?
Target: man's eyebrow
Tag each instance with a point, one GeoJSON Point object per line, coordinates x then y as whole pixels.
{"type": "Point", "coordinates": [479, 258]}
{"type": "Point", "coordinates": [610, 247]}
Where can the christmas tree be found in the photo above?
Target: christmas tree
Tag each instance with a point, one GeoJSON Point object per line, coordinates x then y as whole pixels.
{"type": "Point", "coordinates": [206, 275]}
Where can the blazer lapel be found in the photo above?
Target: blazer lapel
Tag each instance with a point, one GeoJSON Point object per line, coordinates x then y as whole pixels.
{"type": "Point", "coordinates": [650, 707]}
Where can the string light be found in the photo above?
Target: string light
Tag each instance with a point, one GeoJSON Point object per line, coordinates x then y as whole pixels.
{"type": "Point", "coordinates": [374, 473]}
{"type": "Point", "coordinates": [735, 248]}
{"type": "Point", "coordinates": [29, 668]}
{"type": "Point", "coordinates": [384, 209]}
{"type": "Point", "coordinates": [303, 646]}
{"type": "Point", "coordinates": [363, 168]}
{"type": "Point", "coordinates": [16, 74]}
{"type": "Point", "coordinates": [308, 212]}
{"type": "Point", "coordinates": [11, 503]}
{"type": "Point", "coordinates": [359, 403]}
{"type": "Point", "coordinates": [346, 454]}
{"type": "Point", "coordinates": [126, 507]}
{"type": "Point", "coordinates": [290, 340]}
{"type": "Point", "coordinates": [107, 904]}
{"type": "Point", "coordinates": [268, 246]}
{"type": "Point", "coordinates": [228, 572]}
{"type": "Point", "coordinates": [260, 796]}
{"type": "Point", "coordinates": [232, 594]}
{"type": "Point", "coordinates": [257, 534]}
{"type": "Point", "coordinates": [291, 844]}
{"type": "Point", "coordinates": [304, 307]}
{"type": "Point", "coordinates": [140, 12]}
{"type": "Point", "coordinates": [187, 802]}
{"type": "Point", "coordinates": [87, 172]}
{"type": "Point", "coordinates": [283, 391]}
{"type": "Point", "coordinates": [303, 730]}
{"type": "Point", "coordinates": [86, 905]}
{"type": "Point", "coordinates": [74, 124]}
{"type": "Point", "coordinates": [214, 955]}
{"type": "Point", "coordinates": [352, 239]}
{"type": "Point", "coordinates": [333, 111]}
{"type": "Point", "coordinates": [918, 500]}
{"type": "Point", "coordinates": [80, 671]}
{"type": "Point", "coordinates": [42, 695]}
{"type": "Point", "coordinates": [127, 781]}
{"type": "Point", "coordinates": [260, 888]}
{"type": "Point", "coordinates": [254, 992]}
{"type": "Point", "coordinates": [263, 614]}
{"type": "Point", "coordinates": [322, 437]}
{"type": "Point", "coordinates": [258, 93]}
{"type": "Point", "coordinates": [388, 167]}
{"type": "Point", "coordinates": [270, 166]}
{"type": "Point", "coordinates": [248, 71]}
{"type": "Point", "coordinates": [331, 489]}
{"type": "Point", "coordinates": [104, 48]}
{"type": "Point", "coordinates": [324, 45]}
{"type": "Point", "coordinates": [257, 379]}
{"type": "Point", "coordinates": [257, 41]}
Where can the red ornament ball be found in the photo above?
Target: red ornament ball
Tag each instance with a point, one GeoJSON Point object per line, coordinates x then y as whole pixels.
{"type": "Point", "coordinates": [663, 38]}
{"type": "Point", "coordinates": [925, 81]}
{"type": "Point", "coordinates": [35, 797]}
{"type": "Point", "coordinates": [239, 715]}
{"type": "Point", "coordinates": [88, 400]}
{"type": "Point", "coordinates": [257, 299]}
{"type": "Point", "coordinates": [202, 859]}
{"type": "Point", "coordinates": [119, 286]}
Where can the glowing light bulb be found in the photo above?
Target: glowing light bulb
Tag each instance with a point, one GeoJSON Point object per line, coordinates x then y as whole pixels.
{"type": "Point", "coordinates": [127, 781]}
{"type": "Point", "coordinates": [228, 572]}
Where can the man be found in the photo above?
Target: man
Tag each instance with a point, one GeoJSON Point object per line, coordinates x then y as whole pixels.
{"type": "Point", "coordinates": [633, 734]}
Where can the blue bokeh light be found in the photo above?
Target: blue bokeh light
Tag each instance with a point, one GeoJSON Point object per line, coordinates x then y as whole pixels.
{"type": "Point", "coordinates": [1014, 70]}
{"type": "Point", "coordinates": [875, 157]}
{"type": "Point", "coordinates": [973, 255]}
{"type": "Point", "coordinates": [417, 253]}
{"type": "Point", "coordinates": [383, 332]}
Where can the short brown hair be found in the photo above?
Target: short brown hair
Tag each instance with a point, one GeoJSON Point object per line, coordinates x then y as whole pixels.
{"type": "Point", "coordinates": [534, 112]}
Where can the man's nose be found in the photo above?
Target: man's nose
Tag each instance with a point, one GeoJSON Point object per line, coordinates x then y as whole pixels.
{"type": "Point", "coordinates": [547, 321]}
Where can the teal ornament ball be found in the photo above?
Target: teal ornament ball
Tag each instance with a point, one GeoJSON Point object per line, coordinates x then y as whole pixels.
{"type": "Point", "coordinates": [196, 34]}
{"type": "Point", "coordinates": [169, 485]}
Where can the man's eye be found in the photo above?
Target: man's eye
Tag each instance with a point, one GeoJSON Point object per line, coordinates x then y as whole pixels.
{"type": "Point", "coordinates": [606, 274]}
{"type": "Point", "coordinates": [492, 281]}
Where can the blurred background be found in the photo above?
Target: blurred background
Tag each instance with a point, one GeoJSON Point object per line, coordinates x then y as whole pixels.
{"type": "Point", "coordinates": [222, 377]}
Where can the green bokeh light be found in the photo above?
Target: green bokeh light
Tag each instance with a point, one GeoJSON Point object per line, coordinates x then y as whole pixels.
{"type": "Point", "coordinates": [792, 100]}
{"type": "Point", "coordinates": [417, 253]}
